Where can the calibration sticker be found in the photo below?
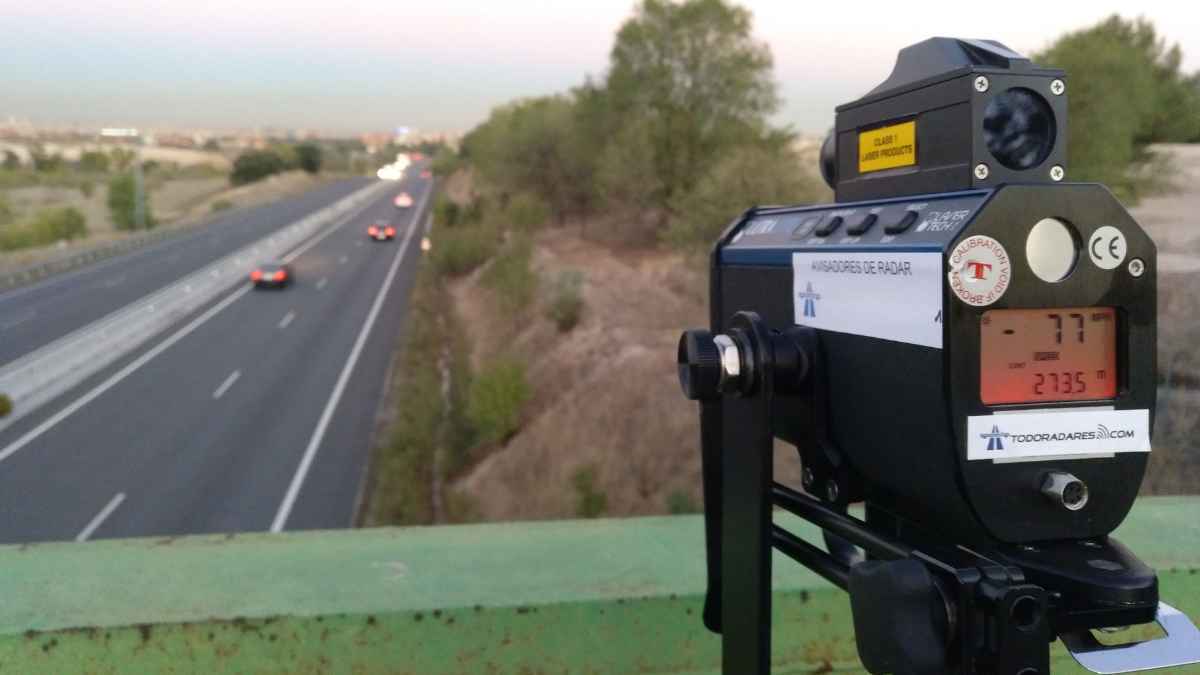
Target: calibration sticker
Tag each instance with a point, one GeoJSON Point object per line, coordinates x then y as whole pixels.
{"type": "Point", "coordinates": [887, 147]}
{"type": "Point", "coordinates": [1057, 433]}
{"type": "Point", "coordinates": [980, 270]}
{"type": "Point", "coordinates": [888, 295]}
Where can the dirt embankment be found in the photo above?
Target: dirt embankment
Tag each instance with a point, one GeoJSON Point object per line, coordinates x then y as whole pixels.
{"type": "Point", "coordinates": [606, 395]}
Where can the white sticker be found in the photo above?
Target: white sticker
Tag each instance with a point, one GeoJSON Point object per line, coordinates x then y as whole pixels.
{"type": "Point", "coordinates": [892, 296]}
{"type": "Point", "coordinates": [1057, 433]}
{"type": "Point", "coordinates": [980, 270]}
{"type": "Point", "coordinates": [1106, 247]}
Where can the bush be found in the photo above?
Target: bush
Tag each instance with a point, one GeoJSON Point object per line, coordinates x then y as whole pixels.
{"type": "Point", "coordinates": [495, 399]}
{"type": "Point", "coordinates": [511, 276]}
{"type": "Point", "coordinates": [308, 157]}
{"type": "Point", "coordinates": [589, 501]}
{"type": "Point", "coordinates": [87, 188]}
{"type": "Point", "coordinates": [51, 225]}
{"type": "Point", "coordinates": [12, 161]}
{"type": "Point", "coordinates": [94, 161]}
{"type": "Point", "coordinates": [122, 203]}
{"type": "Point", "coordinates": [526, 211]}
{"type": "Point", "coordinates": [47, 227]}
{"type": "Point", "coordinates": [680, 503]}
{"type": "Point", "coordinates": [446, 212]}
{"type": "Point", "coordinates": [459, 250]}
{"type": "Point", "coordinates": [221, 205]}
{"type": "Point", "coordinates": [566, 300]}
{"type": "Point", "coordinates": [6, 405]}
{"type": "Point", "coordinates": [255, 165]}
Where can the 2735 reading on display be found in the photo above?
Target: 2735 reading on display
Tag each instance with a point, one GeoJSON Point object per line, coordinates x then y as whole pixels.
{"type": "Point", "coordinates": [1055, 354]}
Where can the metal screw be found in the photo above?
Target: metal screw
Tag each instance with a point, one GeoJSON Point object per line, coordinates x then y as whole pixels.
{"type": "Point", "coordinates": [981, 171]}
{"type": "Point", "coordinates": [831, 491]}
{"type": "Point", "coordinates": [1136, 267]}
{"type": "Point", "coordinates": [1057, 173]}
{"type": "Point", "coordinates": [807, 478]}
{"type": "Point", "coordinates": [1057, 87]}
{"type": "Point", "coordinates": [731, 359]}
{"type": "Point", "coordinates": [981, 84]}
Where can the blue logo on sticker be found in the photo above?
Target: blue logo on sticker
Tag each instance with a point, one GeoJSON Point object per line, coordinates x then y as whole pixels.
{"type": "Point", "coordinates": [994, 438]}
{"type": "Point", "coordinates": [810, 300]}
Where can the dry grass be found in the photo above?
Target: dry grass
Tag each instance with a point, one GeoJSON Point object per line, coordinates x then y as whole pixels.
{"type": "Point", "coordinates": [605, 394]}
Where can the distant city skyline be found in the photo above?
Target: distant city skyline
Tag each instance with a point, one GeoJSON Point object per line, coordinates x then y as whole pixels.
{"type": "Point", "coordinates": [440, 67]}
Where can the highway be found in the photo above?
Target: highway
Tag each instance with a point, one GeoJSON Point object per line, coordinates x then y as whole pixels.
{"type": "Point", "coordinates": [252, 414]}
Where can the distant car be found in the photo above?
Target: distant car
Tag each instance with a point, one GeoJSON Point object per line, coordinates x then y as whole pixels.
{"type": "Point", "coordinates": [271, 275]}
{"type": "Point", "coordinates": [381, 232]}
{"type": "Point", "coordinates": [403, 200]}
{"type": "Point", "coordinates": [426, 174]}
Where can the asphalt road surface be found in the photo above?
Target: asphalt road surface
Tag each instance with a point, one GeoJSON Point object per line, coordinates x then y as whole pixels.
{"type": "Point", "coordinates": [253, 414]}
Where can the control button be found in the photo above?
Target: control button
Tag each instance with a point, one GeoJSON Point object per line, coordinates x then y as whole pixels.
{"type": "Point", "coordinates": [805, 227]}
{"type": "Point", "coordinates": [829, 227]}
{"type": "Point", "coordinates": [903, 224]}
{"type": "Point", "coordinates": [863, 225]}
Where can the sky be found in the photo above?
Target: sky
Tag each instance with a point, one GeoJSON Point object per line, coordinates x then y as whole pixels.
{"type": "Point", "coordinates": [441, 65]}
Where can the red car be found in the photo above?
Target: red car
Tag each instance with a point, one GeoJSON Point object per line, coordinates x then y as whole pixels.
{"type": "Point", "coordinates": [271, 275]}
{"type": "Point", "coordinates": [426, 174]}
{"type": "Point", "coordinates": [381, 232]}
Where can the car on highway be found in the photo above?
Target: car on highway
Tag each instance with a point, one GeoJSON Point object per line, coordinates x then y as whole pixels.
{"type": "Point", "coordinates": [426, 174]}
{"type": "Point", "coordinates": [381, 231]}
{"type": "Point", "coordinates": [271, 275]}
{"type": "Point", "coordinates": [403, 200]}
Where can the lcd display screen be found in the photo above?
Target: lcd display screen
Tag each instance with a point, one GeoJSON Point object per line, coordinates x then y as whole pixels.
{"type": "Point", "coordinates": [1054, 354]}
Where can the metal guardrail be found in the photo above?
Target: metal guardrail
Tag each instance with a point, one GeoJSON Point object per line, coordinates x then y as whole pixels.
{"type": "Point", "coordinates": [599, 596]}
{"type": "Point", "coordinates": [37, 271]}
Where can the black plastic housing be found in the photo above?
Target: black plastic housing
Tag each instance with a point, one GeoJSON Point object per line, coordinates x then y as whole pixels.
{"type": "Point", "coordinates": [897, 411]}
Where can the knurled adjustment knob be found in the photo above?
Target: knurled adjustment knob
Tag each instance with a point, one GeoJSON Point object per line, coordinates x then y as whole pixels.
{"type": "Point", "coordinates": [699, 365]}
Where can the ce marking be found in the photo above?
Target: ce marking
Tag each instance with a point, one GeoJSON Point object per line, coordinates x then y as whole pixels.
{"type": "Point", "coordinates": [1107, 247]}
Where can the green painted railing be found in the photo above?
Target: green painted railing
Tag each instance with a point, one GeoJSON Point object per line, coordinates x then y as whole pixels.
{"type": "Point", "coordinates": [602, 596]}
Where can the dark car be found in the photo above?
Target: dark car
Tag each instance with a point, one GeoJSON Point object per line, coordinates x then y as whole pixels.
{"type": "Point", "coordinates": [271, 275]}
{"type": "Point", "coordinates": [381, 231]}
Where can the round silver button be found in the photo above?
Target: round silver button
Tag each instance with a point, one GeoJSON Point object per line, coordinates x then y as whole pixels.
{"type": "Point", "coordinates": [1052, 249]}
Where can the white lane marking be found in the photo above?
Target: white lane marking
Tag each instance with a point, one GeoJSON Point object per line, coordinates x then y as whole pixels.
{"type": "Point", "coordinates": [321, 283]}
{"type": "Point", "coordinates": [233, 377]}
{"type": "Point", "coordinates": [342, 260]}
{"type": "Point", "coordinates": [310, 452]}
{"type": "Point", "coordinates": [287, 318]}
{"type": "Point", "coordinates": [116, 377]}
{"type": "Point", "coordinates": [99, 519]}
{"type": "Point", "coordinates": [18, 320]}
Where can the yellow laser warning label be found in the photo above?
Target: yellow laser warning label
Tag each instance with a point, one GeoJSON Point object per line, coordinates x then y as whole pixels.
{"type": "Point", "coordinates": [887, 147]}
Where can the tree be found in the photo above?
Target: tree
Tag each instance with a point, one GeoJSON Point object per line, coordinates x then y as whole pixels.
{"type": "Point", "coordinates": [93, 161]}
{"type": "Point", "coordinates": [698, 81]}
{"type": "Point", "coordinates": [122, 158]}
{"type": "Point", "coordinates": [122, 203]}
{"type": "Point", "coordinates": [1126, 91]}
{"type": "Point", "coordinates": [254, 165]}
{"type": "Point", "coordinates": [12, 160]}
{"type": "Point", "coordinates": [46, 163]}
{"type": "Point", "coordinates": [309, 157]}
{"type": "Point", "coordinates": [767, 173]}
